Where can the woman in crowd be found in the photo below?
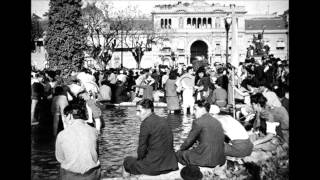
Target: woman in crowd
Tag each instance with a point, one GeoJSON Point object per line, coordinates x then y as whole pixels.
{"type": "Point", "coordinates": [219, 95]}
{"type": "Point", "coordinates": [59, 102]}
{"type": "Point", "coordinates": [171, 92]}
{"type": "Point", "coordinates": [273, 123]}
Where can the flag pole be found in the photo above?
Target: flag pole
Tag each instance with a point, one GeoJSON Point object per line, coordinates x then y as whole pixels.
{"type": "Point", "coordinates": [233, 98]}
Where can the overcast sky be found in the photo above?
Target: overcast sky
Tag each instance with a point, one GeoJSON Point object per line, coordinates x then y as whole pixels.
{"type": "Point", "coordinates": [39, 7]}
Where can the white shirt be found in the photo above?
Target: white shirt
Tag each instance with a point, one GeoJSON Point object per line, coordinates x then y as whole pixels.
{"type": "Point", "coordinates": [75, 89]}
{"type": "Point", "coordinates": [232, 128]}
{"type": "Point", "coordinates": [76, 147]}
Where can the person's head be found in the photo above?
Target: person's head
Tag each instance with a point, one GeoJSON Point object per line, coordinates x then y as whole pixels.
{"type": "Point", "coordinates": [84, 95]}
{"type": "Point", "coordinates": [201, 74]}
{"type": "Point", "coordinates": [190, 69]}
{"type": "Point", "coordinates": [258, 101]}
{"type": "Point", "coordinates": [191, 172]}
{"type": "Point", "coordinates": [201, 107]}
{"type": "Point", "coordinates": [144, 108]}
{"type": "Point", "coordinates": [75, 111]}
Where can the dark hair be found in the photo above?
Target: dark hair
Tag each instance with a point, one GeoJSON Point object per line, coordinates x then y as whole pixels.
{"type": "Point", "coordinates": [58, 90]}
{"type": "Point", "coordinates": [189, 67]}
{"type": "Point", "coordinates": [258, 98]}
{"type": "Point", "coordinates": [173, 75]}
{"type": "Point", "coordinates": [191, 172]}
{"type": "Point", "coordinates": [146, 104]}
{"type": "Point", "coordinates": [78, 110]}
{"type": "Point", "coordinates": [203, 103]}
{"type": "Point", "coordinates": [219, 82]}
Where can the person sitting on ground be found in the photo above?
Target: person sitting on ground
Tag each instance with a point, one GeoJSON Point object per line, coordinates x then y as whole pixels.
{"type": "Point", "coordinates": [240, 144]}
{"type": "Point", "coordinates": [94, 112]}
{"type": "Point", "coordinates": [273, 123]}
{"type": "Point", "coordinates": [155, 151]}
{"type": "Point", "coordinates": [272, 98]}
{"type": "Point", "coordinates": [75, 147]}
{"type": "Point", "coordinates": [209, 132]}
{"type": "Point", "coordinates": [219, 95]}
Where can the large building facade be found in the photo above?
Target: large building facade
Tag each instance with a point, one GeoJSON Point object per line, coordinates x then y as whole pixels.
{"type": "Point", "coordinates": [197, 30]}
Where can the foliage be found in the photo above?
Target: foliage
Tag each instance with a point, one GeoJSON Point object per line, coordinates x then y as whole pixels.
{"type": "Point", "coordinates": [65, 40]}
{"type": "Point", "coordinates": [36, 29]}
{"type": "Point", "coordinates": [97, 22]}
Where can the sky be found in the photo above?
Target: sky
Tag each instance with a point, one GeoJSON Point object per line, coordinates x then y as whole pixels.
{"type": "Point", "coordinates": [39, 7]}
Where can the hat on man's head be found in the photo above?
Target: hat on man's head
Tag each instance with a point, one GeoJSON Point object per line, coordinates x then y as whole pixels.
{"type": "Point", "coordinates": [191, 172]}
{"type": "Point", "coordinates": [214, 109]}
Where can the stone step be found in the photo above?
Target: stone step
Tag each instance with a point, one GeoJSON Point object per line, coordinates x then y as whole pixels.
{"type": "Point", "coordinates": [175, 175]}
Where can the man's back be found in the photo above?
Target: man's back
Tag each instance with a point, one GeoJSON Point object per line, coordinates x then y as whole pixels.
{"type": "Point", "coordinates": [76, 147]}
{"type": "Point", "coordinates": [210, 151]}
{"type": "Point", "coordinates": [156, 145]}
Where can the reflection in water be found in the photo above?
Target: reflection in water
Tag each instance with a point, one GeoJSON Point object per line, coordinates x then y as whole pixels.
{"type": "Point", "coordinates": [118, 140]}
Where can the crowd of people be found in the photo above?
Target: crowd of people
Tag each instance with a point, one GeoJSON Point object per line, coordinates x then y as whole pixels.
{"type": "Point", "coordinates": [260, 101]}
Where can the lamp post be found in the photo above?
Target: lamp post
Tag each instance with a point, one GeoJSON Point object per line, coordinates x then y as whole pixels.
{"type": "Point", "coordinates": [227, 23]}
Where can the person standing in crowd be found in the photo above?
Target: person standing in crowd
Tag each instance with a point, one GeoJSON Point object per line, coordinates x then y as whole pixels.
{"type": "Point", "coordinates": [147, 87]}
{"type": "Point", "coordinates": [202, 87]}
{"type": "Point", "coordinates": [240, 144]}
{"type": "Point", "coordinates": [121, 92]}
{"type": "Point", "coordinates": [171, 93]}
{"type": "Point", "coordinates": [219, 95]}
{"type": "Point", "coordinates": [186, 83]}
{"type": "Point", "coordinates": [37, 95]}
{"type": "Point", "coordinates": [104, 92]}
{"type": "Point", "coordinates": [59, 102]}
{"type": "Point", "coordinates": [155, 151]}
{"type": "Point", "coordinates": [76, 147]}
{"type": "Point", "coordinates": [94, 112]}
{"type": "Point", "coordinates": [209, 132]}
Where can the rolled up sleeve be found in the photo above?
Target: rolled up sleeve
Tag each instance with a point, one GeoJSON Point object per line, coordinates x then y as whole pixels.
{"type": "Point", "coordinates": [192, 137]}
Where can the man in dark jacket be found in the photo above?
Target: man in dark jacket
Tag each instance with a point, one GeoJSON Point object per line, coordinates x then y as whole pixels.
{"type": "Point", "coordinates": [155, 151]}
{"type": "Point", "coordinates": [208, 131]}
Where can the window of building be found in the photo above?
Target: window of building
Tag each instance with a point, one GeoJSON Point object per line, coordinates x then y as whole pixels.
{"type": "Point", "coordinates": [161, 23]}
{"type": "Point", "coordinates": [204, 21]}
{"type": "Point", "coordinates": [209, 23]}
{"type": "Point", "coordinates": [199, 23]}
{"type": "Point", "coordinates": [193, 22]}
{"type": "Point", "coordinates": [280, 44]}
{"type": "Point", "coordinates": [169, 24]}
{"type": "Point", "coordinates": [189, 21]}
{"type": "Point", "coordinates": [166, 23]}
{"type": "Point", "coordinates": [218, 22]}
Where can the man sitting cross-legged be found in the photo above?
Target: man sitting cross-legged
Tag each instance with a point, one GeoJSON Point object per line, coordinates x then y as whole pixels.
{"type": "Point", "coordinates": [155, 152]}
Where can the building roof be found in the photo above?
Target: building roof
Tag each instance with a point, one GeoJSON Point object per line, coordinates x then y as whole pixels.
{"type": "Point", "coordinates": [266, 23]}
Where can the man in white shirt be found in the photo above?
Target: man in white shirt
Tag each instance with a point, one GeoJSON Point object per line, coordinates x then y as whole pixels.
{"type": "Point", "coordinates": [76, 147]}
{"type": "Point", "coordinates": [272, 98]}
{"type": "Point", "coordinates": [240, 144]}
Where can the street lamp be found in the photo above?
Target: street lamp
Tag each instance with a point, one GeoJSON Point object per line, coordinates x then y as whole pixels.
{"type": "Point", "coordinates": [227, 23]}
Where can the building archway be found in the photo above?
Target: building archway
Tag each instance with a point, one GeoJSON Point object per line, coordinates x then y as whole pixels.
{"type": "Point", "coordinates": [198, 49]}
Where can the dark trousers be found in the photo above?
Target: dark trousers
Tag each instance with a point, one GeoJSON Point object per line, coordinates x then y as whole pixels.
{"type": "Point", "coordinates": [131, 166]}
{"type": "Point", "coordinates": [238, 148]}
{"type": "Point", "coordinates": [92, 174]}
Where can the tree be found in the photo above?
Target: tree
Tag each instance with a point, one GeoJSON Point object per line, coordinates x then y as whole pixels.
{"type": "Point", "coordinates": [102, 39]}
{"type": "Point", "coordinates": [65, 40]}
{"type": "Point", "coordinates": [141, 36]}
{"type": "Point", "coordinates": [36, 29]}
